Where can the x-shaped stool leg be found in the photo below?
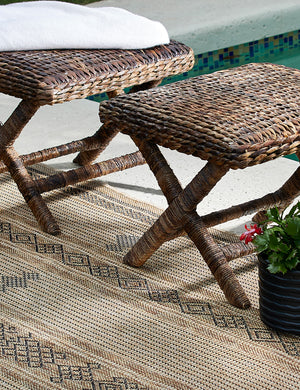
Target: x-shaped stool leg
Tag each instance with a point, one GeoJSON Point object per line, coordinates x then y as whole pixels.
{"type": "Point", "coordinates": [181, 215]}
{"type": "Point", "coordinates": [9, 133]}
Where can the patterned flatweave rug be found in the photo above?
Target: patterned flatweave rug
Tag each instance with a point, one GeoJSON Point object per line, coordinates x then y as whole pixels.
{"type": "Point", "coordinates": [73, 316]}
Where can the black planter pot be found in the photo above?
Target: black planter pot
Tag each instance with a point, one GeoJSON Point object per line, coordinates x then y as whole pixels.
{"type": "Point", "coordinates": [279, 298]}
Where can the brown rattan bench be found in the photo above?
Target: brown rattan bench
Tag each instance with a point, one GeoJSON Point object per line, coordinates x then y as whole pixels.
{"type": "Point", "coordinates": [56, 76]}
{"type": "Point", "coordinates": [233, 119]}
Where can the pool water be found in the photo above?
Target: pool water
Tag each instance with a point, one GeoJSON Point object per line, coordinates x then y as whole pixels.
{"type": "Point", "coordinates": [293, 61]}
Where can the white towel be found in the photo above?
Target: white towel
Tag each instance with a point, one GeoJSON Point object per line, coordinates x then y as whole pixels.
{"type": "Point", "coordinates": [40, 25]}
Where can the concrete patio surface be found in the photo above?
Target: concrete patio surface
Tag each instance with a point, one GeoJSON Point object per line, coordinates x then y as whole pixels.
{"type": "Point", "coordinates": [204, 25]}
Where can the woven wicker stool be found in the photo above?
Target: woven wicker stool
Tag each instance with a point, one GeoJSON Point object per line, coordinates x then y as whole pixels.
{"type": "Point", "coordinates": [233, 119]}
{"type": "Point", "coordinates": [56, 76]}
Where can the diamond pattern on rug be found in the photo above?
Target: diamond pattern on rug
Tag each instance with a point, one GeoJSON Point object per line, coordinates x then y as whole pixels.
{"type": "Point", "coordinates": [30, 351]}
{"type": "Point", "coordinates": [127, 282]}
{"type": "Point", "coordinates": [75, 317]}
{"type": "Point", "coordinates": [8, 281]}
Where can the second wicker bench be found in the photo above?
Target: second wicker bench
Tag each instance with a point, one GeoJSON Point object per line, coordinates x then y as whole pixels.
{"type": "Point", "coordinates": [233, 119]}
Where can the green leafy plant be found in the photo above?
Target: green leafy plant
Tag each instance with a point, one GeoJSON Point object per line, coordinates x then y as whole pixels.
{"type": "Point", "coordinates": [278, 239]}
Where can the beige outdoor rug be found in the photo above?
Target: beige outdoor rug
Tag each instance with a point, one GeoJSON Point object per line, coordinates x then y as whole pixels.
{"type": "Point", "coordinates": [74, 317]}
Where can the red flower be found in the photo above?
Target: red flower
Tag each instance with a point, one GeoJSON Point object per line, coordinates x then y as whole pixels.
{"type": "Point", "coordinates": [250, 233]}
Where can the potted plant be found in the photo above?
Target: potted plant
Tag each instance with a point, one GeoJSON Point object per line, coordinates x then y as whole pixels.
{"type": "Point", "coordinates": [277, 241]}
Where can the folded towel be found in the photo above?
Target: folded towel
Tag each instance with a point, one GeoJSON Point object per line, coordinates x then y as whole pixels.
{"type": "Point", "coordinates": [40, 25]}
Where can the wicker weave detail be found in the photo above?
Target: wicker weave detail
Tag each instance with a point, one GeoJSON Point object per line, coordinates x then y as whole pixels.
{"type": "Point", "coordinates": [55, 76]}
{"type": "Point", "coordinates": [241, 116]}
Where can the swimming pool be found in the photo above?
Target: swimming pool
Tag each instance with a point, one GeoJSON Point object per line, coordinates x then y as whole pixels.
{"type": "Point", "coordinates": [281, 49]}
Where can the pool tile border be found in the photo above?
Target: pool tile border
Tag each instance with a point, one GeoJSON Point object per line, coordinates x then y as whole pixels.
{"type": "Point", "coordinates": [270, 49]}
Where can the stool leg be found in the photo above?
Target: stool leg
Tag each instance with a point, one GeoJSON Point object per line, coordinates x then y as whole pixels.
{"type": "Point", "coordinates": [165, 177]}
{"type": "Point", "coordinates": [85, 158]}
{"type": "Point", "coordinates": [172, 218]}
{"type": "Point", "coordinates": [14, 125]}
{"type": "Point", "coordinates": [105, 135]}
{"type": "Point", "coordinates": [286, 194]}
{"type": "Point", "coordinates": [9, 133]}
{"type": "Point", "coordinates": [29, 191]}
{"type": "Point", "coordinates": [216, 261]}
{"type": "Point", "coordinates": [181, 213]}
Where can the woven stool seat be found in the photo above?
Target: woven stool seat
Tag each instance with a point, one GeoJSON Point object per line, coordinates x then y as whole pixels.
{"type": "Point", "coordinates": [240, 117]}
{"type": "Point", "coordinates": [55, 76]}
{"type": "Point", "coordinates": [233, 119]}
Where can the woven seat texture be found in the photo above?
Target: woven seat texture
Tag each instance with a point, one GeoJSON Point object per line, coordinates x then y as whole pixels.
{"type": "Point", "coordinates": [241, 116]}
{"type": "Point", "coordinates": [55, 76]}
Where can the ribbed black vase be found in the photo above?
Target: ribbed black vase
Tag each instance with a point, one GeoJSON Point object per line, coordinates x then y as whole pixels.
{"type": "Point", "coordinates": [279, 298]}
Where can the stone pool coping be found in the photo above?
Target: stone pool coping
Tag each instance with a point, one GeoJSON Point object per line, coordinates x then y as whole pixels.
{"type": "Point", "coordinates": [216, 24]}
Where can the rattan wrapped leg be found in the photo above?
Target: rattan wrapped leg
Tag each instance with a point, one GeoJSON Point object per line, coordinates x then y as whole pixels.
{"type": "Point", "coordinates": [216, 261]}
{"type": "Point", "coordinates": [288, 192]}
{"type": "Point", "coordinates": [165, 177]}
{"type": "Point", "coordinates": [181, 217]}
{"type": "Point", "coordinates": [29, 191]}
{"type": "Point", "coordinates": [104, 136]}
{"type": "Point", "coordinates": [16, 122]}
{"type": "Point", "coordinates": [90, 171]}
{"type": "Point", "coordinates": [171, 220]}
{"type": "Point", "coordinates": [283, 197]}
{"type": "Point", "coordinates": [9, 133]}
